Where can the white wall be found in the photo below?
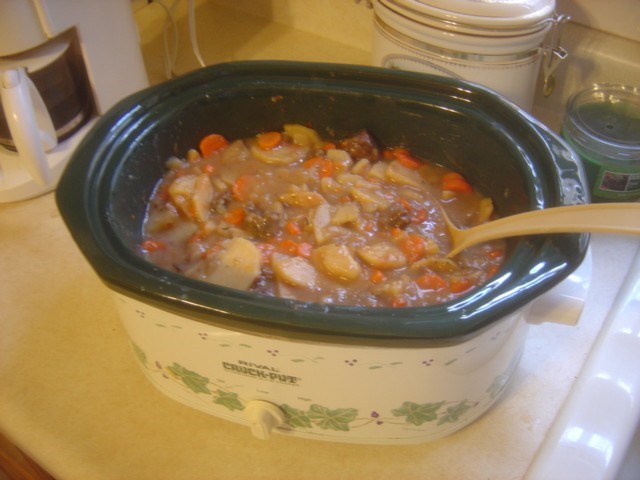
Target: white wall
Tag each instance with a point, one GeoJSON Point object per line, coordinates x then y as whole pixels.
{"type": "Point", "coordinates": [618, 17]}
{"type": "Point", "coordinates": [350, 18]}
{"type": "Point", "coordinates": [346, 21]}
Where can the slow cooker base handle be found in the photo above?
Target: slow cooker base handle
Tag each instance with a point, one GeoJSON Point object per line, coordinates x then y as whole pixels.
{"type": "Point", "coordinates": [564, 303]}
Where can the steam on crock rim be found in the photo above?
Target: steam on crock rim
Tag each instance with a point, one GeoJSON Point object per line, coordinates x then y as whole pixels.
{"type": "Point", "coordinates": [85, 197]}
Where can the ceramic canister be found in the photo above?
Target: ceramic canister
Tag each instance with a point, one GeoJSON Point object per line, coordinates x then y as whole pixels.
{"type": "Point", "coordinates": [498, 44]}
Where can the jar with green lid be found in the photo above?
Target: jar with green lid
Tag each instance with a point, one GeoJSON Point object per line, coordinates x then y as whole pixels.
{"type": "Point", "coordinates": [602, 124]}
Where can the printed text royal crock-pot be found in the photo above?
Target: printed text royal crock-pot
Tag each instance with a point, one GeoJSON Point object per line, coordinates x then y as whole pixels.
{"type": "Point", "coordinates": [326, 372]}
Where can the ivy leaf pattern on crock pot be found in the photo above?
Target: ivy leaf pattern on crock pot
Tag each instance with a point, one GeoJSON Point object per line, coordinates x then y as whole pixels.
{"type": "Point", "coordinates": [295, 417]}
{"type": "Point", "coordinates": [320, 416]}
{"type": "Point", "coordinates": [228, 399]}
{"type": "Point", "coordinates": [328, 419]}
{"type": "Point", "coordinates": [194, 381]}
{"type": "Point", "coordinates": [139, 353]}
{"type": "Point", "coordinates": [498, 384]}
{"type": "Point", "coordinates": [454, 412]}
{"type": "Point", "coordinates": [417, 414]}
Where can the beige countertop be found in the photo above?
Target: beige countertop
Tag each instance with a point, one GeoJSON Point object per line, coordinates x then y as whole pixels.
{"type": "Point", "coordinates": [72, 396]}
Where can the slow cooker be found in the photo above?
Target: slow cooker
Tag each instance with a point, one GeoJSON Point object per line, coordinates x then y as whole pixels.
{"type": "Point", "coordinates": [327, 372]}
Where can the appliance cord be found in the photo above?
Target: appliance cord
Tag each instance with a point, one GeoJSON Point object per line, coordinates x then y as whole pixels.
{"type": "Point", "coordinates": [171, 42]}
{"type": "Point", "coordinates": [170, 51]}
{"type": "Point", "coordinates": [193, 34]}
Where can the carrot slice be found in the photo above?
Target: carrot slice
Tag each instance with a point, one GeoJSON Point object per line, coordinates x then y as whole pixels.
{"type": "Point", "coordinates": [269, 140]}
{"type": "Point", "coordinates": [420, 215]}
{"type": "Point", "coordinates": [325, 166]}
{"type": "Point", "coordinates": [413, 247]}
{"type": "Point", "coordinates": [325, 169]}
{"type": "Point", "coordinates": [455, 182]}
{"type": "Point", "coordinates": [289, 246]}
{"type": "Point", "coordinates": [376, 276]}
{"type": "Point", "coordinates": [431, 281]}
{"type": "Point", "coordinates": [388, 154]}
{"type": "Point", "coordinates": [152, 246]}
{"type": "Point", "coordinates": [397, 232]}
{"type": "Point", "coordinates": [459, 284]}
{"type": "Point", "coordinates": [492, 270]}
{"type": "Point", "coordinates": [406, 159]}
{"type": "Point", "coordinates": [405, 203]}
{"type": "Point", "coordinates": [235, 216]}
{"type": "Point", "coordinates": [292, 228]}
{"type": "Point", "coordinates": [213, 142]}
{"type": "Point", "coordinates": [242, 187]}
{"type": "Point", "coordinates": [311, 162]}
{"type": "Point", "coordinates": [399, 301]}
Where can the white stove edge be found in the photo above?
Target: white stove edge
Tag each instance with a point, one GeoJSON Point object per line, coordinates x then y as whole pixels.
{"type": "Point", "coordinates": [583, 442]}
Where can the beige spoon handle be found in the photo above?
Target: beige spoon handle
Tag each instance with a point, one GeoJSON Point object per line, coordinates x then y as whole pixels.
{"type": "Point", "coordinates": [623, 218]}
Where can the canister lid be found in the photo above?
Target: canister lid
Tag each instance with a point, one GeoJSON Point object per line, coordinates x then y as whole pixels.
{"type": "Point", "coordinates": [605, 120]}
{"type": "Point", "coordinates": [490, 14]}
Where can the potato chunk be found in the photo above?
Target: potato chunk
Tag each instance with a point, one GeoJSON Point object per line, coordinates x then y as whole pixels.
{"type": "Point", "coordinates": [341, 160]}
{"type": "Point", "coordinates": [337, 261]}
{"type": "Point", "coordinates": [282, 155]}
{"type": "Point", "coordinates": [303, 136]}
{"type": "Point", "coordinates": [485, 210]}
{"type": "Point", "coordinates": [397, 173]}
{"type": "Point", "coordinates": [237, 265]}
{"type": "Point", "coordinates": [192, 194]}
{"type": "Point", "coordinates": [369, 199]}
{"type": "Point", "coordinates": [346, 213]}
{"type": "Point", "coordinates": [320, 219]}
{"type": "Point", "coordinates": [382, 255]}
{"type": "Point", "coordinates": [302, 198]}
{"type": "Point", "coordinates": [236, 151]}
{"type": "Point", "coordinates": [296, 271]}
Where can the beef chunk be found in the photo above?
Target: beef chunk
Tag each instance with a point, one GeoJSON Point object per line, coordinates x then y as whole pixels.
{"type": "Point", "coordinates": [361, 145]}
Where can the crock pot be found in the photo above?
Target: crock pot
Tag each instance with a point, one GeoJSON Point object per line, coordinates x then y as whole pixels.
{"type": "Point", "coordinates": [328, 372]}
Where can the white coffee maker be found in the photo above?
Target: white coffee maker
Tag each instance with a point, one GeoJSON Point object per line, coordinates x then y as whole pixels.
{"type": "Point", "coordinates": [63, 63]}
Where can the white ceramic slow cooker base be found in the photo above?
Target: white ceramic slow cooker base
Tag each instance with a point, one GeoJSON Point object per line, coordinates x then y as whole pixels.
{"type": "Point", "coordinates": [337, 392]}
{"type": "Point", "coordinates": [327, 391]}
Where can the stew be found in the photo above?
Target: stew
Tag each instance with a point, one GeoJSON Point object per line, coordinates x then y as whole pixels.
{"type": "Point", "coordinates": [347, 221]}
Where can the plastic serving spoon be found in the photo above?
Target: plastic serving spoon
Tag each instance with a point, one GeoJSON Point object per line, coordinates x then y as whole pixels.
{"type": "Point", "coordinates": [621, 218]}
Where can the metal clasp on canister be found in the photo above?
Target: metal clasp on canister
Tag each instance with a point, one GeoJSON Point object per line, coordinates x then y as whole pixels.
{"type": "Point", "coordinates": [554, 54]}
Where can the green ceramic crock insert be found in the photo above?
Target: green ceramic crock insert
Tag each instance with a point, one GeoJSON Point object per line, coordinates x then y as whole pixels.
{"type": "Point", "coordinates": [103, 192]}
